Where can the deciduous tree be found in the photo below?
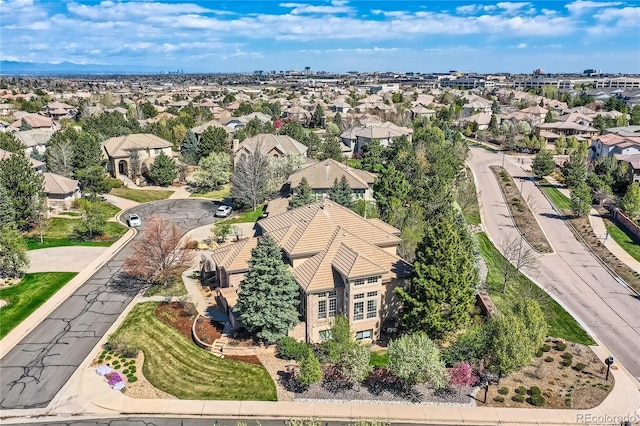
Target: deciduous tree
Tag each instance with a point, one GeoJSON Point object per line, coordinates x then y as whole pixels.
{"type": "Point", "coordinates": [14, 260]}
{"type": "Point", "coordinates": [517, 256]}
{"type": "Point", "coordinates": [214, 170]}
{"type": "Point", "coordinates": [250, 179]}
{"type": "Point", "coordinates": [462, 375]}
{"type": "Point", "coordinates": [414, 358]}
{"type": "Point", "coordinates": [630, 203]}
{"type": "Point", "coordinates": [159, 253]}
{"type": "Point", "coordinates": [268, 298]}
{"type": "Point", "coordinates": [510, 345]}
{"type": "Point", "coordinates": [94, 219]}
{"type": "Point", "coordinates": [59, 157]}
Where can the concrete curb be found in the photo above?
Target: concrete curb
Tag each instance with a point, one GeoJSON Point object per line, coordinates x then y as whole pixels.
{"type": "Point", "coordinates": [26, 326]}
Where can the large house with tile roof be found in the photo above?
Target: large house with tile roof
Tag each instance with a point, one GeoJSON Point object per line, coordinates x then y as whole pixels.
{"type": "Point", "coordinates": [117, 151]}
{"type": "Point", "coordinates": [343, 263]}
{"type": "Point", "coordinates": [271, 146]}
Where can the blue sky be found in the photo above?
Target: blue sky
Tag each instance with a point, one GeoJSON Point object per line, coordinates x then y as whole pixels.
{"type": "Point", "coordinates": [338, 35]}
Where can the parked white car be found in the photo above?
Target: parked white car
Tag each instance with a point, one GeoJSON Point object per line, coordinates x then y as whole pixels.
{"type": "Point", "coordinates": [134, 220]}
{"type": "Point", "coordinates": [223, 211]}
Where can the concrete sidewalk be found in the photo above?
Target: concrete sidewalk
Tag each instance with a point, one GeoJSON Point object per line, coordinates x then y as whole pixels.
{"type": "Point", "coordinates": [600, 230]}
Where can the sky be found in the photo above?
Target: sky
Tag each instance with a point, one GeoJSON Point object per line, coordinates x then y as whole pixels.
{"type": "Point", "coordinates": [335, 35]}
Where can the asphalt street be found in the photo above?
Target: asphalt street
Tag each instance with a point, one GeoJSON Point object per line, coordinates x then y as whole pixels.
{"type": "Point", "coordinates": [572, 274]}
{"type": "Point", "coordinates": [38, 367]}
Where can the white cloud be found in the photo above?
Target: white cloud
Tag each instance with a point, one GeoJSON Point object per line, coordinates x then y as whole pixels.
{"type": "Point", "coordinates": [581, 6]}
{"type": "Point", "coordinates": [301, 8]}
{"type": "Point", "coordinates": [512, 6]}
{"type": "Point", "coordinates": [521, 45]}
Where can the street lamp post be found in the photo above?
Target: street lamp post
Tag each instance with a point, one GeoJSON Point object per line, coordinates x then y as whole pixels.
{"type": "Point", "coordinates": [609, 362]}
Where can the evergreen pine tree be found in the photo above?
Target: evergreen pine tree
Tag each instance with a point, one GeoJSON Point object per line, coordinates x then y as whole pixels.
{"type": "Point", "coordinates": [25, 188]}
{"type": "Point", "coordinates": [213, 139]}
{"type": "Point", "coordinates": [331, 148]}
{"type": "Point", "coordinates": [303, 195]}
{"type": "Point", "coordinates": [14, 260]}
{"type": "Point", "coordinates": [87, 151]}
{"type": "Point", "coordinates": [189, 148]}
{"type": "Point", "coordinates": [373, 156]}
{"type": "Point", "coordinates": [7, 212]}
{"type": "Point", "coordinates": [581, 199]}
{"type": "Point", "coordinates": [9, 142]}
{"type": "Point", "coordinates": [575, 170]}
{"type": "Point", "coordinates": [341, 193]}
{"type": "Point", "coordinates": [268, 298]}
{"type": "Point", "coordinates": [163, 171]}
{"type": "Point", "coordinates": [543, 164]}
{"type": "Point", "coordinates": [442, 291]}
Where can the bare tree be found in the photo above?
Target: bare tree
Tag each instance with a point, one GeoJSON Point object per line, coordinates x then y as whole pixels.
{"type": "Point", "coordinates": [161, 251]}
{"type": "Point", "coordinates": [250, 179]}
{"type": "Point", "coordinates": [59, 158]}
{"type": "Point", "coordinates": [135, 164]}
{"type": "Point", "coordinates": [518, 256]}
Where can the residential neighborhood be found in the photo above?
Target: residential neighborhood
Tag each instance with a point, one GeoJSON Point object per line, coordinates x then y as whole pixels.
{"type": "Point", "coordinates": [425, 247]}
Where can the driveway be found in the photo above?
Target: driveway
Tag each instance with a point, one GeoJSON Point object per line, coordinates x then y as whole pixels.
{"type": "Point", "coordinates": [63, 259]}
{"type": "Point", "coordinates": [572, 275]}
{"type": "Point", "coordinates": [36, 368]}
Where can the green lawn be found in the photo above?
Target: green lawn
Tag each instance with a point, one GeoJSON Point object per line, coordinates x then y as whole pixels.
{"type": "Point", "coordinates": [141, 195]}
{"type": "Point", "coordinates": [248, 216]}
{"type": "Point", "coordinates": [174, 364]}
{"type": "Point", "coordinates": [558, 198]}
{"type": "Point", "coordinates": [561, 323]}
{"type": "Point", "coordinates": [379, 358]}
{"type": "Point", "coordinates": [26, 296]}
{"type": "Point", "coordinates": [625, 241]}
{"type": "Point", "coordinates": [59, 230]}
{"type": "Point", "coordinates": [220, 194]}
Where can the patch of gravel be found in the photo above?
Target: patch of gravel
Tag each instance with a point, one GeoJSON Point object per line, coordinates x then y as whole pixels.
{"type": "Point", "coordinates": [277, 370]}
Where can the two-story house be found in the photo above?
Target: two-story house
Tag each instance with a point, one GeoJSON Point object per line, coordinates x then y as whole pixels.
{"type": "Point", "coordinates": [343, 263]}
{"type": "Point", "coordinates": [117, 152]}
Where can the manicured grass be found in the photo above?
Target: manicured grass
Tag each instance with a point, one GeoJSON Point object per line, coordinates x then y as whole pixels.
{"type": "Point", "coordinates": [354, 162]}
{"type": "Point", "coordinates": [561, 323]}
{"type": "Point", "coordinates": [141, 195]}
{"type": "Point", "coordinates": [558, 198]}
{"type": "Point", "coordinates": [379, 358]}
{"type": "Point", "coordinates": [219, 194]}
{"type": "Point", "coordinates": [72, 214]}
{"type": "Point", "coordinates": [26, 296]}
{"type": "Point", "coordinates": [248, 216]}
{"type": "Point", "coordinates": [173, 288]}
{"type": "Point", "coordinates": [59, 230]}
{"type": "Point", "coordinates": [625, 241]}
{"type": "Point", "coordinates": [174, 364]}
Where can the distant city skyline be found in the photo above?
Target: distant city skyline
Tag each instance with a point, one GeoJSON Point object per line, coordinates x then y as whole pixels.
{"type": "Point", "coordinates": [334, 36]}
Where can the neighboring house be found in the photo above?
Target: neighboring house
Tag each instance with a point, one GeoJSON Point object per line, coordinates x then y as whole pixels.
{"type": "Point", "coordinates": [625, 130]}
{"type": "Point", "coordinates": [58, 110]}
{"type": "Point", "coordinates": [272, 146]}
{"type": "Point", "coordinates": [421, 111]}
{"type": "Point", "coordinates": [35, 121]}
{"type": "Point", "coordinates": [38, 166]}
{"type": "Point", "coordinates": [7, 109]}
{"type": "Point", "coordinates": [61, 191]}
{"type": "Point", "coordinates": [476, 104]}
{"type": "Point", "coordinates": [198, 130]}
{"type": "Point", "coordinates": [634, 165]}
{"type": "Point", "coordinates": [35, 140]}
{"type": "Point", "coordinates": [299, 114]}
{"type": "Point", "coordinates": [236, 123]}
{"type": "Point", "coordinates": [536, 111]}
{"type": "Point", "coordinates": [118, 150]}
{"type": "Point", "coordinates": [343, 263]}
{"type": "Point", "coordinates": [340, 106]}
{"type": "Point", "coordinates": [566, 128]}
{"type": "Point", "coordinates": [322, 175]}
{"type": "Point", "coordinates": [613, 144]}
{"type": "Point", "coordinates": [384, 132]}
{"type": "Point", "coordinates": [482, 119]}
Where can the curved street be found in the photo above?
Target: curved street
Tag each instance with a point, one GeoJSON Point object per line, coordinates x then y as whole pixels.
{"type": "Point", "coordinates": [572, 275]}
{"type": "Point", "coordinates": [33, 371]}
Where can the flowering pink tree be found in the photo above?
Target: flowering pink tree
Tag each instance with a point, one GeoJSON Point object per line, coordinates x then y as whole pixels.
{"type": "Point", "coordinates": [462, 375]}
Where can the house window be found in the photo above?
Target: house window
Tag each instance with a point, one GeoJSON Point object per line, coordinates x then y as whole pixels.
{"type": "Point", "coordinates": [372, 280]}
{"type": "Point", "coordinates": [372, 294]}
{"type": "Point", "coordinates": [325, 335]}
{"type": "Point", "coordinates": [358, 296]}
{"type": "Point", "coordinates": [359, 281]}
{"type": "Point", "coordinates": [157, 151]}
{"type": "Point", "coordinates": [333, 307]}
{"type": "Point", "coordinates": [364, 334]}
{"type": "Point", "coordinates": [358, 311]}
{"type": "Point", "coordinates": [372, 308]}
{"type": "Point", "coordinates": [322, 309]}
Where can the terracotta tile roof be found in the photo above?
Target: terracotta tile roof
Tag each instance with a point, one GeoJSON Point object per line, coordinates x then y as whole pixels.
{"type": "Point", "coordinates": [122, 145]}
{"type": "Point", "coordinates": [234, 257]}
{"type": "Point", "coordinates": [36, 121]}
{"type": "Point", "coordinates": [611, 139]}
{"type": "Point", "coordinates": [352, 264]}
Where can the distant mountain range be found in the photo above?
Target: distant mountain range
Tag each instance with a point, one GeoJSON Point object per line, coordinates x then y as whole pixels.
{"type": "Point", "coordinates": [40, 68]}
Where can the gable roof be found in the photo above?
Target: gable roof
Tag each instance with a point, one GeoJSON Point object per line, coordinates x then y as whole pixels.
{"type": "Point", "coordinates": [322, 175]}
{"type": "Point", "coordinates": [281, 143]}
{"type": "Point", "coordinates": [36, 121]}
{"type": "Point", "coordinates": [34, 137]}
{"type": "Point", "coordinates": [122, 145]}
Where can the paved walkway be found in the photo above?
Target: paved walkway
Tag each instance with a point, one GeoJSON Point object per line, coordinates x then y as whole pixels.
{"type": "Point", "coordinates": [63, 259]}
{"type": "Point", "coordinates": [600, 230]}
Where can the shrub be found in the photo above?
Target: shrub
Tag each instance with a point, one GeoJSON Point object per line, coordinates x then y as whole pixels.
{"type": "Point", "coordinates": [518, 398]}
{"type": "Point", "coordinates": [579, 366]}
{"type": "Point", "coordinates": [290, 348]}
{"type": "Point", "coordinates": [499, 399]}
{"type": "Point", "coordinates": [503, 390]}
{"type": "Point", "coordinates": [310, 370]}
{"type": "Point", "coordinates": [545, 348]}
{"type": "Point", "coordinates": [566, 355]}
{"type": "Point", "coordinates": [132, 369]}
{"type": "Point", "coordinates": [123, 347]}
{"type": "Point", "coordinates": [132, 379]}
{"type": "Point", "coordinates": [537, 400]}
{"type": "Point", "coordinates": [568, 360]}
{"type": "Point", "coordinates": [521, 390]}
{"type": "Point", "coordinates": [548, 359]}
{"type": "Point", "coordinates": [534, 390]}
{"type": "Point", "coordinates": [539, 353]}
{"type": "Point", "coordinates": [561, 346]}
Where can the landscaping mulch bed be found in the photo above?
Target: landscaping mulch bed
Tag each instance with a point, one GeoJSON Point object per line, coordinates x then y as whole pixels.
{"type": "Point", "coordinates": [583, 227]}
{"type": "Point", "coordinates": [208, 330]}
{"type": "Point", "coordinates": [562, 387]}
{"type": "Point", "coordinates": [381, 387]}
{"type": "Point", "coordinates": [520, 212]}
{"type": "Point", "coordinates": [174, 315]}
{"type": "Point", "coordinates": [249, 359]}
